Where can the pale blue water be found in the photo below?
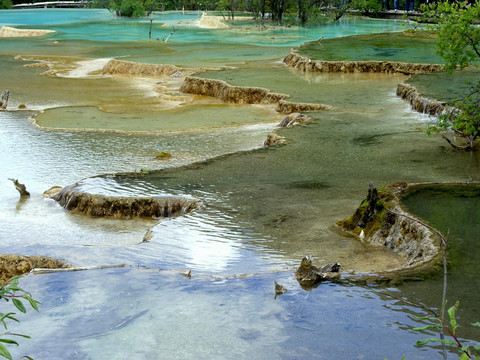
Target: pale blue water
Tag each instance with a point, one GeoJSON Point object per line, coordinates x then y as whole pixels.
{"type": "Point", "coordinates": [101, 25]}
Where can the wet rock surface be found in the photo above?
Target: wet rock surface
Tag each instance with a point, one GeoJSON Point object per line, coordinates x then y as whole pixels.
{"type": "Point", "coordinates": [13, 265]}
{"type": "Point", "coordinates": [73, 199]}
{"type": "Point", "coordinates": [245, 95]}
{"type": "Point", "coordinates": [228, 93]}
{"type": "Point", "coordinates": [381, 221]}
{"type": "Point", "coordinates": [120, 67]}
{"type": "Point", "coordinates": [420, 103]}
{"type": "Point", "coordinates": [309, 275]}
{"type": "Point", "coordinates": [305, 64]}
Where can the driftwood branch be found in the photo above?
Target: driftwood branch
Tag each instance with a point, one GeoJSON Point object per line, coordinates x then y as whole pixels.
{"type": "Point", "coordinates": [37, 271]}
{"type": "Point", "coordinates": [458, 147]}
{"type": "Point", "coordinates": [4, 100]}
{"type": "Point", "coordinates": [20, 188]}
{"type": "Point", "coordinates": [173, 32]}
{"type": "Point", "coordinates": [48, 271]}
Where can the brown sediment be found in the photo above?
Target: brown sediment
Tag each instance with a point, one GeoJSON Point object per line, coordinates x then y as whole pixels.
{"type": "Point", "coordinates": [244, 95]}
{"type": "Point", "coordinates": [75, 200]}
{"type": "Point", "coordinates": [13, 265]}
{"type": "Point", "coordinates": [305, 64]}
{"type": "Point", "coordinates": [230, 94]}
{"type": "Point", "coordinates": [286, 107]}
{"type": "Point", "coordinates": [7, 31]}
{"type": "Point", "coordinates": [420, 103]}
{"type": "Point", "coordinates": [120, 67]}
{"type": "Point", "coordinates": [382, 222]}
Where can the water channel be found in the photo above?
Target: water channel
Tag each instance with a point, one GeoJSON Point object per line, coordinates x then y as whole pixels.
{"type": "Point", "coordinates": [263, 208]}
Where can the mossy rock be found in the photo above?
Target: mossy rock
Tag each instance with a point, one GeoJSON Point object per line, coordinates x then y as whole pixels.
{"type": "Point", "coordinates": [387, 199]}
{"type": "Point", "coordinates": [163, 155]}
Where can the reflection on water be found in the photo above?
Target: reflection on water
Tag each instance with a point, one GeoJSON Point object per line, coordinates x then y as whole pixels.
{"type": "Point", "coordinates": [149, 314]}
{"type": "Point", "coordinates": [147, 120]}
{"type": "Point", "coordinates": [263, 209]}
{"type": "Point", "coordinates": [455, 211]}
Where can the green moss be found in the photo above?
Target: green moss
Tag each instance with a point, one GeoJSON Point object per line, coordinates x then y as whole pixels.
{"type": "Point", "coordinates": [163, 155]}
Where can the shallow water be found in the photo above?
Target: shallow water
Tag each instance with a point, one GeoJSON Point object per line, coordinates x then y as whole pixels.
{"type": "Point", "coordinates": [263, 209]}
{"type": "Point", "coordinates": [417, 47]}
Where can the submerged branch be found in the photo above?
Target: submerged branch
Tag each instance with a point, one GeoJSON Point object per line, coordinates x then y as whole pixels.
{"type": "Point", "coordinates": [468, 147]}
{"type": "Point", "coordinates": [173, 32]}
{"type": "Point", "coordinates": [20, 188]}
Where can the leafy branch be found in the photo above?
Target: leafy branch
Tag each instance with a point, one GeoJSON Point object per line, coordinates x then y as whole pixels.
{"type": "Point", "coordinates": [11, 291]}
{"type": "Point", "coordinates": [438, 322]}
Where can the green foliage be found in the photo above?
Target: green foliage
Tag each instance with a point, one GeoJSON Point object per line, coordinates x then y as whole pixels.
{"type": "Point", "coordinates": [128, 8]}
{"type": "Point", "coordinates": [6, 4]}
{"type": "Point", "coordinates": [458, 33]}
{"type": "Point", "coordinates": [465, 351]}
{"type": "Point", "coordinates": [458, 45]}
{"type": "Point", "coordinates": [464, 120]}
{"type": "Point", "coordinates": [12, 291]}
{"type": "Point", "coordinates": [367, 6]}
{"type": "Point", "coordinates": [99, 4]}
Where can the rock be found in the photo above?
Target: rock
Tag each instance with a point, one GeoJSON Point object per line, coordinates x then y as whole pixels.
{"type": "Point", "coordinates": [120, 67]}
{"type": "Point", "coordinates": [273, 139]}
{"type": "Point", "coordinates": [305, 64]}
{"type": "Point", "coordinates": [228, 93]}
{"type": "Point", "coordinates": [286, 107]}
{"type": "Point", "coordinates": [419, 103]}
{"type": "Point", "coordinates": [52, 192]}
{"type": "Point", "coordinates": [13, 265]}
{"type": "Point", "coordinates": [75, 200]}
{"type": "Point", "coordinates": [245, 95]}
{"type": "Point", "coordinates": [279, 289]}
{"type": "Point", "coordinates": [381, 221]}
{"type": "Point", "coordinates": [163, 155]}
{"type": "Point", "coordinates": [308, 275]}
{"type": "Point", "coordinates": [294, 118]}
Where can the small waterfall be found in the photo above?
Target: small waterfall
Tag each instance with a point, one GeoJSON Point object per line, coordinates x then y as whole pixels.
{"type": "Point", "coordinates": [305, 64]}
{"type": "Point", "coordinates": [420, 103]}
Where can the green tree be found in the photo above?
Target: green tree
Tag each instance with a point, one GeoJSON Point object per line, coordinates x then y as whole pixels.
{"type": "Point", "coordinates": [458, 32]}
{"type": "Point", "coordinates": [10, 291]}
{"type": "Point", "coordinates": [5, 4]}
{"type": "Point", "coordinates": [463, 120]}
{"type": "Point", "coordinates": [458, 44]}
{"type": "Point", "coordinates": [129, 8]}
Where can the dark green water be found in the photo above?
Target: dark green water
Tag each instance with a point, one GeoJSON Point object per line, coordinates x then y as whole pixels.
{"type": "Point", "coordinates": [455, 211]}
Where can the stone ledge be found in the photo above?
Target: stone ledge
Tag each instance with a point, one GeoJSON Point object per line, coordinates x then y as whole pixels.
{"type": "Point", "coordinates": [306, 64]}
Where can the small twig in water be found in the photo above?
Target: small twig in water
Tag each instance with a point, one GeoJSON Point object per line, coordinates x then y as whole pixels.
{"type": "Point", "coordinates": [173, 32]}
